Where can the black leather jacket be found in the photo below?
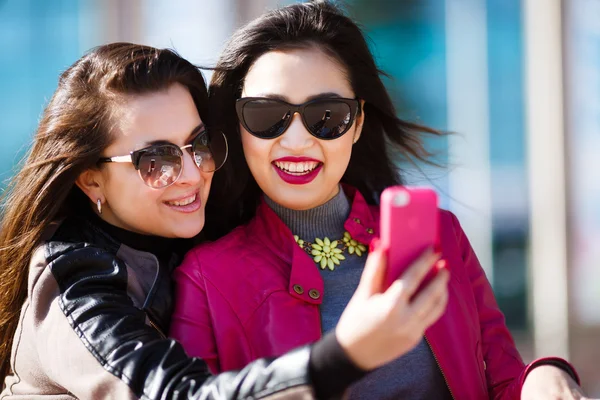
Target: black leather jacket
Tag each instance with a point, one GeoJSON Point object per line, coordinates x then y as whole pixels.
{"type": "Point", "coordinates": [93, 327]}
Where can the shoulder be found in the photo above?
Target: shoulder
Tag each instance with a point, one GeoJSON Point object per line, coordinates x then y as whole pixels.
{"type": "Point", "coordinates": [447, 217]}
{"type": "Point", "coordinates": [72, 278]}
{"type": "Point", "coordinates": [451, 233]}
{"type": "Point", "coordinates": [256, 236]}
{"type": "Point", "coordinates": [77, 248]}
{"type": "Point", "coordinates": [219, 257]}
{"type": "Point", "coordinates": [449, 223]}
{"type": "Point", "coordinates": [67, 262]}
{"type": "Point", "coordinates": [89, 282]}
{"type": "Point", "coordinates": [70, 262]}
{"type": "Point", "coordinates": [246, 254]}
{"type": "Point", "coordinates": [222, 247]}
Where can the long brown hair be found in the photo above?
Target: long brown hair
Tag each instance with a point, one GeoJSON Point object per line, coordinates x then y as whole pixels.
{"type": "Point", "coordinates": [74, 130]}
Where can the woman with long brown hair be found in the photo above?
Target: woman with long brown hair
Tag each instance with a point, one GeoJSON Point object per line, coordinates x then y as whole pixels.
{"type": "Point", "coordinates": [115, 182]}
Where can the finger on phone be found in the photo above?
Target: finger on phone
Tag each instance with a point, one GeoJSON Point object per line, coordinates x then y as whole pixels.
{"type": "Point", "coordinates": [417, 271]}
{"type": "Point", "coordinates": [437, 310]}
{"type": "Point", "coordinates": [373, 275]}
{"type": "Point", "coordinates": [425, 299]}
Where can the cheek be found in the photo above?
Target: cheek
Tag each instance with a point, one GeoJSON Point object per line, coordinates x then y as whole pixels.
{"type": "Point", "coordinates": [207, 180]}
{"type": "Point", "coordinates": [120, 182]}
{"type": "Point", "coordinates": [128, 196]}
{"type": "Point", "coordinates": [337, 154]}
{"type": "Point", "coordinates": [256, 151]}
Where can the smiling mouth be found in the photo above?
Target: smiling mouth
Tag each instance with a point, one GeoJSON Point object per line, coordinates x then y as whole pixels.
{"type": "Point", "coordinates": [183, 202]}
{"type": "Point", "coordinates": [297, 168]}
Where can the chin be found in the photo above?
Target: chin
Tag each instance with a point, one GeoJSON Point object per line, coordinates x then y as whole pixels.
{"type": "Point", "coordinates": [185, 230]}
{"type": "Point", "coordinates": [303, 197]}
{"type": "Point", "coordinates": [189, 233]}
{"type": "Point", "coordinates": [296, 202]}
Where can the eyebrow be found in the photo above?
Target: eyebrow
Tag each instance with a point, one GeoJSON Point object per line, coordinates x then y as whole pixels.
{"type": "Point", "coordinates": [162, 141]}
{"type": "Point", "coordinates": [326, 95]}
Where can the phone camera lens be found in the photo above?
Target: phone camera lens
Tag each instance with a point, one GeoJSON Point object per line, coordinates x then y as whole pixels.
{"type": "Point", "coordinates": [401, 199]}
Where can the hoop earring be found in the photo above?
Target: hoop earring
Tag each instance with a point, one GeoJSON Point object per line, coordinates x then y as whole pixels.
{"type": "Point", "coordinates": [99, 205]}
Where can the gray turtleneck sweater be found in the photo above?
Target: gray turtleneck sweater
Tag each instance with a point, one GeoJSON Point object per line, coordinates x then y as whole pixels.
{"type": "Point", "coordinates": [414, 375]}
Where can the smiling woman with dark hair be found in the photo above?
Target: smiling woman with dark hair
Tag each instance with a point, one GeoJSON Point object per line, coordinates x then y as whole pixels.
{"type": "Point", "coordinates": [314, 138]}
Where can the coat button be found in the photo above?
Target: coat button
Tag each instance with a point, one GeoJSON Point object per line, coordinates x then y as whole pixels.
{"type": "Point", "coordinates": [298, 289]}
{"type": "Point", "coordinates": [370, 231]}
{"type": "Point", "coordinates": [357, 220]}
{"type": "Point", "coordinates": [314, 294]}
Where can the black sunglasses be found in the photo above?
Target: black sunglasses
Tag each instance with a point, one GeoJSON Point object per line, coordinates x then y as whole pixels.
{"type": "Point", "coordinates": [160, 165]}
{"type": "Point", "coordinates": [268, 118]}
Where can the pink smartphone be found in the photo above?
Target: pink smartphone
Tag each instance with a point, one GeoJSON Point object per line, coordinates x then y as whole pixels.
{"type": "Point", "coordinates": [409, 225]}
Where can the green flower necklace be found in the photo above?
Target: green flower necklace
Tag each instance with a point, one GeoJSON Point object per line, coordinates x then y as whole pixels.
{"type": "Point", "coordinates": [329, 254]}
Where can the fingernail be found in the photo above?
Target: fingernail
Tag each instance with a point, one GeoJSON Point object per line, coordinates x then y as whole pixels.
{"type": "Point", "coordinates": [374, 244]}
{"type": "Point", "coordinates": [441, 264]}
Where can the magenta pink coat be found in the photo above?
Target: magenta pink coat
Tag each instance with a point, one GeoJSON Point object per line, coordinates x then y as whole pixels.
{"type": "Point", "coordinates": [239, 299]}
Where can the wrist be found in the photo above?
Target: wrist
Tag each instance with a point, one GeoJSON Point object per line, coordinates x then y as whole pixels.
{"type": "Point", "coordinates": [330, 368]}
{"type": "Point", "coordinates": [547, 369]}
{"type": "Point", "coordinates": [349, 350]}
{"type": "Point", "coordinates": [557, 363]}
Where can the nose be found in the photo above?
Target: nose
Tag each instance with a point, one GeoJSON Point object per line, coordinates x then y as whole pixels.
{"type": "Point", "coordinates": [296, 137]}
{"type": "Point", "coordinates": [190, 174]}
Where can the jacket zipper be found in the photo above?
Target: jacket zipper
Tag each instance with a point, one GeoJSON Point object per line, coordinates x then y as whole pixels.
{"type": "Point", "coordinates": [160, 332]}
{"type": "Point", "coordinates": [440, 367]}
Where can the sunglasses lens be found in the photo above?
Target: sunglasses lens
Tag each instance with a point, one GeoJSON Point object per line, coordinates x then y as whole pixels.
{"type": "Point", "coordinates": [328, 119]}
{"type": "Point", "coordinates": [210, 150]}
{"type": "Point", "coordinates": [160, 166]}
{"type": "Point", "coordinates": [266, 118]}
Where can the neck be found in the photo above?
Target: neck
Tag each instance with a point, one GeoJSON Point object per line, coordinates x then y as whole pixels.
{"type": "Point", "coordinates": [326, 220]}
{"type": "Point", "coordinates": [161, 247]}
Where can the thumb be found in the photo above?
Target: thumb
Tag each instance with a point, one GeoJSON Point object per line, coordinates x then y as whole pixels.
{"type": "Point", "coordinates": [371, 281]}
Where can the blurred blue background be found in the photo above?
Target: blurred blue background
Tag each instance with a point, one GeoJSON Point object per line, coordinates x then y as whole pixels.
{"type": "Point", "coordinates": [464, 66]}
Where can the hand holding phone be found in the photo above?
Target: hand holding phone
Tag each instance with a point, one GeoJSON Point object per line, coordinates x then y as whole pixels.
{"type": "Point", "coordinates": [409, 225]}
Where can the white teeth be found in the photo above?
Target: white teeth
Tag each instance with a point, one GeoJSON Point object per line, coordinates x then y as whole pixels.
{"type": "Point", "coordinates": [183, 202]}
{"type": "Point", "coordinates": [297, 167]}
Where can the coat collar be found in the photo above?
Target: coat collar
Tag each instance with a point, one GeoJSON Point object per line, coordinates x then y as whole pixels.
{"type": "Point", "coordinates": [305, 280]}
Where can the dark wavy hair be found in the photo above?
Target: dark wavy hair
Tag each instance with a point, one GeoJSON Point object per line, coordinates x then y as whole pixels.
{"type": "Point", "coordinates": [385, 140]}
{"type": "Point", "coordinates": [73, 132]}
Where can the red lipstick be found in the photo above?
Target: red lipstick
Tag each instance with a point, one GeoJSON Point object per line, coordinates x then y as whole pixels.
{"type": "Point", "coordinates": [297, 178]}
